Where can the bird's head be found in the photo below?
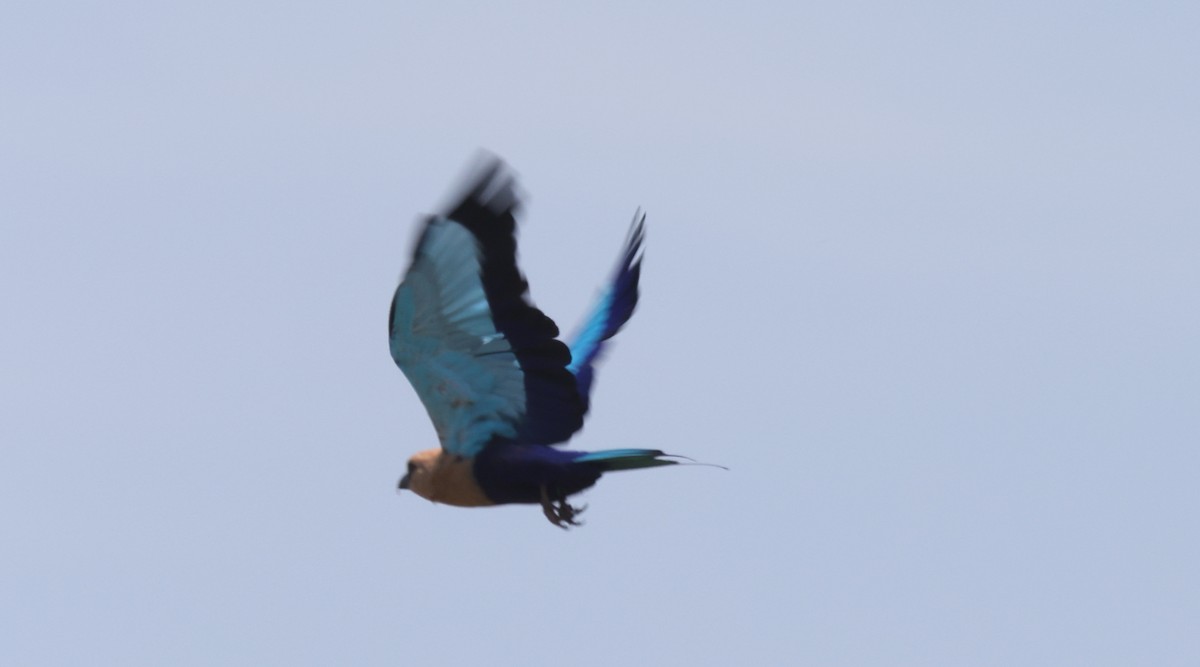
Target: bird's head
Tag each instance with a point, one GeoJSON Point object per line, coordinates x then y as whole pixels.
{"type": "Point", "coordinates": [419, 477]}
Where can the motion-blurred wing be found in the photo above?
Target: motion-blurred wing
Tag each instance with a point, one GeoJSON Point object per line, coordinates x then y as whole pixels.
{"type": "Point", "coordinates": [484, 361]}
{"type": "Point", "coordinates": [611, 311]}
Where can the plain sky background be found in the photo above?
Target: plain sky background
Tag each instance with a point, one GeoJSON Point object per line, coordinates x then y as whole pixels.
{"type": "Point", "coordinates": [925, 276]}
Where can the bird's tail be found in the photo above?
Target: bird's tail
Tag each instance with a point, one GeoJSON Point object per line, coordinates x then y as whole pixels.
{"type": "Point", "coordinates": [609, 460]}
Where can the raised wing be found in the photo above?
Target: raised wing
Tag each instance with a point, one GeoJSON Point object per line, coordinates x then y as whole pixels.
{"type": "Point", "coordinates": [612, 310]}
{"type": "Point", "coordinates": [483, 360]}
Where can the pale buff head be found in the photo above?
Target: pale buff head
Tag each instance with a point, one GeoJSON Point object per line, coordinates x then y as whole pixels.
{"type": "Point", "coordinates": [443, 478]}
{"type": "Point", "coordinates": [420, 476]}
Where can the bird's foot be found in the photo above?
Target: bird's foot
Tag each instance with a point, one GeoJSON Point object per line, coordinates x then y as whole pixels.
{"type": "Point", "coordinates": [559, 512]}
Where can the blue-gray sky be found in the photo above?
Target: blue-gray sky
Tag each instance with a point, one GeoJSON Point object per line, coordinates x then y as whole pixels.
{"type": "Point", "coordinates": [925, 276]}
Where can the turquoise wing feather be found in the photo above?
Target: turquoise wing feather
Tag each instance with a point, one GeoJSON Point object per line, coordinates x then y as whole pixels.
{"type": "Point", "coordinates": [612, 310]}
{"type": "Point", "coordinates": [444, 340]}
{"type": "Point", "coordinates": [485, 362]}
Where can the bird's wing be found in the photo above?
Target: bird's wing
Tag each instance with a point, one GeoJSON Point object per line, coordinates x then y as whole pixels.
{"type": "Point", "coordinates": [612, 310]}
{"type": "Point", "coordinates": [484, 361]}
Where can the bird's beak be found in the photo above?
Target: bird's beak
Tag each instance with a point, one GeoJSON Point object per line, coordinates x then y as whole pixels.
{"type": "Point", "coordinates": [403, 483]}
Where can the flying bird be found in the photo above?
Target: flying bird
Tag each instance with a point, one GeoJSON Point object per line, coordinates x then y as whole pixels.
{"type": "Point", "coordinates": [498, 384]}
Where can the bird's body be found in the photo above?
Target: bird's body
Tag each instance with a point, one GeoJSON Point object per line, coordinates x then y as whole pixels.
{"type": "Point", "coordinates": [499, 386]}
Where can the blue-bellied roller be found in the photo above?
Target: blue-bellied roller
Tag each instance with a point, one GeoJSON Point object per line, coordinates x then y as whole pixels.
{"type": "Point", "coordinates": [500, 387]}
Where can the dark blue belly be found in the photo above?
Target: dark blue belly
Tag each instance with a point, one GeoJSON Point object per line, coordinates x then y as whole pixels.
{"type": "Point", "coordinates": [511, 473]}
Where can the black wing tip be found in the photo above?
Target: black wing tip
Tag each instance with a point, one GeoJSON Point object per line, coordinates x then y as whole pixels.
{"type": "Point", "coordinates": [489, 186]}
{"type": "Point", "coordinates": [634, 240]}
{"type": "Point", "coordinates": [629, 270]}
{"type": "Point", "coordinates": [637, 228]}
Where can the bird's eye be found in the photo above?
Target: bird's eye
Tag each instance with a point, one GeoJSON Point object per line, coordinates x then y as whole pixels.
{"type": "Point", "coordinates": [411, 467]}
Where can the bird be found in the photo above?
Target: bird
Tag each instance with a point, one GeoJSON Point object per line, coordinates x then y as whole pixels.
{"type": "Point", "coordinates": [502, 390]}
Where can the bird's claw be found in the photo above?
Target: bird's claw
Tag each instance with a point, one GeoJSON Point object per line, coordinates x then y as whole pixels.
{"type": "Point", "coordinates": [559, 512]}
